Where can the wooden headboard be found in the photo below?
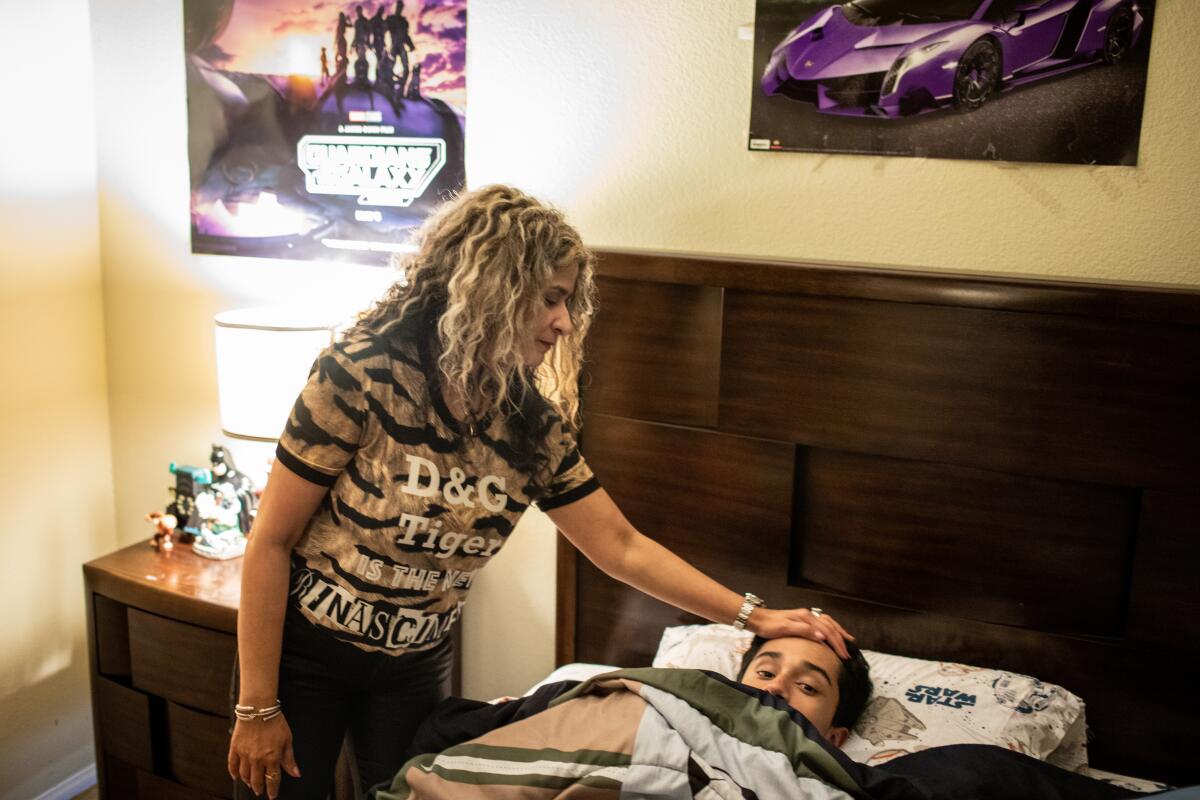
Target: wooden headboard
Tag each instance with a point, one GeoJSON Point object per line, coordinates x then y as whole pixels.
{"type": "Point", "coordinates": [986, 469]}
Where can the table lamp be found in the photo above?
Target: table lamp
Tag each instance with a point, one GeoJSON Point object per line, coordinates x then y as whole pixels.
{"type": "Point", "coordinates": [263, 360]}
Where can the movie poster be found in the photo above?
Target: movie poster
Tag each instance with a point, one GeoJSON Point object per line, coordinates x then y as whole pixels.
{"type": "Point", "coordinates": [322, 130]}
{"type": "Point", "coordinates": [1060, 81]}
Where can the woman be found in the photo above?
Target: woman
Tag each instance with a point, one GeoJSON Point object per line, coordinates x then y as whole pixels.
{"type": "Point", "coordinates": [421, 437]}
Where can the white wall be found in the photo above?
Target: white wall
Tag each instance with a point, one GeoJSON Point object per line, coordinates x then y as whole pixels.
{"type": "Point", "coordinates": [632, 116]}
{"type": "Point", "coordinates": [56, 505]}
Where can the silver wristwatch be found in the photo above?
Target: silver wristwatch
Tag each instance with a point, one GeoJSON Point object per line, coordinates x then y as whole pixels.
{"type": "Point", "coordinates": [751, 602]}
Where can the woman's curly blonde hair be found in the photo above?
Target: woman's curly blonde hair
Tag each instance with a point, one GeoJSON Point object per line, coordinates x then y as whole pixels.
{"type": "Point", "coordinates": [482, 264]}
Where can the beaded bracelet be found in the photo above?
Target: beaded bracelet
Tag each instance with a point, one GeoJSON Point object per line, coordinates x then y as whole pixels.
{"type": "Point", "coordinates": [246, 713]}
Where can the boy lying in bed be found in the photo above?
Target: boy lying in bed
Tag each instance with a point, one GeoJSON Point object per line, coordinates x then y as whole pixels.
{"type": "Point", "coordinates": [688, 734]}
{"type": "Point", "coordinates": [810, 678]}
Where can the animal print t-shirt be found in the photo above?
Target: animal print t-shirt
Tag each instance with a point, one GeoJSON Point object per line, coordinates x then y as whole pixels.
{"type": "Point", "coordinates": [417, 505]}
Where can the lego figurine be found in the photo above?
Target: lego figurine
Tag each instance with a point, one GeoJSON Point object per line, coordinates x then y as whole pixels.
{"type": "Point", "coordinates": [189, 481]}
{"type": "Point", "coordinates": [220, 537]}
{"type": "Point", "coordinates": [164, 526]}
{"type": "Point", "coordinates": [224, 471]}
{"type": "Point", "coordinates": [225, 507]}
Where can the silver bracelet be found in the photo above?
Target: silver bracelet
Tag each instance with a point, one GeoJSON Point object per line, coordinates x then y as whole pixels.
{"type": "Point", "coordinates": [246, 713]}
{"type": "Point", "coordinates": [751, 602]}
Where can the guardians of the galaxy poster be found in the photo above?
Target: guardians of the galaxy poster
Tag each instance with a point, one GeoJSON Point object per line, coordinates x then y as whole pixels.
{"type": "Point", "coordinates": [322, 130]}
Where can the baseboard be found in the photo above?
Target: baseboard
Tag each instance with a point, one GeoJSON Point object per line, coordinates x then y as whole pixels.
{"type": "Point", "coordinates": [75, 784]}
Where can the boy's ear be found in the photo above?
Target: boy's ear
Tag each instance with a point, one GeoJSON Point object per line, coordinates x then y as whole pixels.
{"type": "Point", "coordinates": [837, 736]}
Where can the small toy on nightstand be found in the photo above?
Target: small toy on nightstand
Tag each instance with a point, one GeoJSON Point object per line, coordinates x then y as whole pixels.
{"type": "Point", "coordinates": [225, 471]}
{"type": "Point", "coordinates": [164, 527]}
{"type": "Point", "coordinates": [189, 481]}
{"type": "Point", "coordinates": [215, 507]}
{"type": "Point", "coordinates": [220, 535]}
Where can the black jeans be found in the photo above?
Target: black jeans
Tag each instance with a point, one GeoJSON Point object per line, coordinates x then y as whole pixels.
{"type": "Point", "coordinates": [327, 686]}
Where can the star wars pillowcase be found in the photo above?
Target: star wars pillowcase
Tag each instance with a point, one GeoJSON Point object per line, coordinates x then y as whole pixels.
{"type": "Point", "coordinates": [919, 704]}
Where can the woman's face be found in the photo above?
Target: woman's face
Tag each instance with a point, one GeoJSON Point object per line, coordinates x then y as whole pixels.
{"type": "Point", "coordinates": [550, 315]}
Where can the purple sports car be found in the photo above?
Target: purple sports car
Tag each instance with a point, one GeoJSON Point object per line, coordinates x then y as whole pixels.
{"type": "Point", "coordinates": [892, 58]}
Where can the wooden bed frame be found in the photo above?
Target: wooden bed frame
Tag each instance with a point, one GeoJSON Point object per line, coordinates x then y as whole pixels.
{"type": "Point", "coordinates": [985, 469]}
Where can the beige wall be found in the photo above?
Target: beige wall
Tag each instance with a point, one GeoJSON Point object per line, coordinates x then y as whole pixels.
{"type": "Point", "coordinates": [644, 144]}
{"type": "Point", "coordinates": [632, 116]}
{"type": "Point", "coordinates": [56, 474]}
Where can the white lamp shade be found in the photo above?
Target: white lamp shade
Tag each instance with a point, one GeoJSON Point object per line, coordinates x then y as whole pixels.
{"type": "Point", "coordinates": [263, 360]}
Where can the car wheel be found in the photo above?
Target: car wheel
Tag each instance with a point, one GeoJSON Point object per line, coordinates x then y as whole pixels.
{"type": "Point", "coordinates": [1119, 37]}
{"type": "Point", "coordinates": [978, 75]}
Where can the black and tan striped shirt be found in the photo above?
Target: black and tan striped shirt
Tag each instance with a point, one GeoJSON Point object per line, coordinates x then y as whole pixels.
{"type": "Point", "coordinates": [415, 507]}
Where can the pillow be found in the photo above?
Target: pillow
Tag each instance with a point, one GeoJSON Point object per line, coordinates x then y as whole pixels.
{"type": "Point", "coordinates": [1124, 781]}
{"type": "Point", "coordinates": [918, 704]}
{"type": "Point", "coordinates": [1071, 753]}
{"type": "Point", "coordinates": [714, 647]}
{"type": "Point", "coordinates": [576, 671]}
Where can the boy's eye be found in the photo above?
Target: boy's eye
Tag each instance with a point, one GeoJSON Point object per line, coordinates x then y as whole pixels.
{"type": "Point", "coordinates": [807, 688]}
{"type": "Point", "coordinates": [766, 675]}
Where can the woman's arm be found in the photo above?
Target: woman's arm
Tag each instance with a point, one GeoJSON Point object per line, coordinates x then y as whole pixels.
{"type": "Point", "coordinates": [600, 531]}
{"type": "Point", "coordinates": [259, 748]}
{"type": "Point", "coordinates": [287, 504]}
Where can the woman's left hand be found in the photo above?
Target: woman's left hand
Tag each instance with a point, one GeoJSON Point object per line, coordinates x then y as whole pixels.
{"type": "Point", "coordinates": [772, 623]}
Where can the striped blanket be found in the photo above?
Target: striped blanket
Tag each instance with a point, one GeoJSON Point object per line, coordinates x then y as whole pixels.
{"type": "Point", "coordinates": [667, 733]}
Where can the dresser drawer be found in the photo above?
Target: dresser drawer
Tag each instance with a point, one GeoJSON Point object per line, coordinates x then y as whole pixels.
{"type": "Point", "coordinates": [152, 787]}
{"type": "Point", "coordinates": [124, 717]}
{"type": "Point", "coordinates": [112, 636]}
{"type": "Point", "coordinates": [199, 750]}
{"type": "Point", "coordinates": [120, 779]}
{"type": "Point", "coordinates": [181, 662]}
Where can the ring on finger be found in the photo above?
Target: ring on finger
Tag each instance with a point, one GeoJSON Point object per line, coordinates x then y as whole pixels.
{"type": "Point", "coordinates": [816, 612]}
{"type": "Point", "coordinates": [271, 776]}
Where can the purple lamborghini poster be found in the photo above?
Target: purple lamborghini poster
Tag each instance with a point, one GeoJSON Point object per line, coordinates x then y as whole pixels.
{"type": "Point", "coordinates": [1016, 80]}
{"type": "Point", "coordinates": [322, 130]}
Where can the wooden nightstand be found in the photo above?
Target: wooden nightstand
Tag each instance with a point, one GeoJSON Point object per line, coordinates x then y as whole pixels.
{"type": "Point", "coordinates": [162, 633]}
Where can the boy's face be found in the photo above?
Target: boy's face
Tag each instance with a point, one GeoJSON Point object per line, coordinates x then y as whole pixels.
{"type": "Point", "coordinates": [804, 674]}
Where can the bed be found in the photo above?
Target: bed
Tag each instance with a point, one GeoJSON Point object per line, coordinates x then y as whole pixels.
{"type": "Point", "coordinates": [998, 471]}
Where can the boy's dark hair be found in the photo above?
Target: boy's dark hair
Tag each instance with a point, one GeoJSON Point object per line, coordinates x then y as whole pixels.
{"type": "Point", "coordinates": [854, 682]}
